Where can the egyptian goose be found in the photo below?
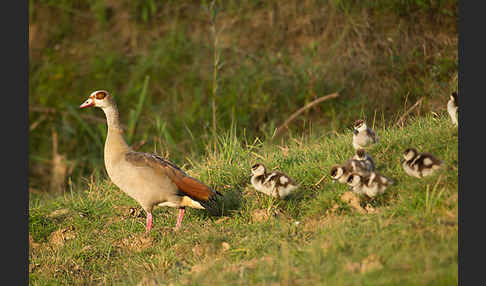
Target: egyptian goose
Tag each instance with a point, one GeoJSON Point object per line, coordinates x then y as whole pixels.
{"type": "Point", "coordinates": [364, 157]}
{"type": "Point", "coordinates": [419, 164]}
{"type": "Point", "coordinates": [371, 185]}
{"type": "Point", "coordinates": [342, 172]}
{"type": "Point", "coordinates": [147, 178]}
{"type": "Point", "coordinates": [275, 184]}
{"type": "Point", "coordinates": [363, 136]}
{"type": "Point", "coordinates": [357, 183]}
{"type": "Point", "coordinates": [452, 107]}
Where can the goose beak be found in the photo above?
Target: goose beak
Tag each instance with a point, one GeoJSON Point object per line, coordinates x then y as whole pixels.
{"type": "Point", "coordinates": [88, 103]}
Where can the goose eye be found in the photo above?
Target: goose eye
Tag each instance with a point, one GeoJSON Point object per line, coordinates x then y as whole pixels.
{"type": "Point", "coordinates": [100, 95]}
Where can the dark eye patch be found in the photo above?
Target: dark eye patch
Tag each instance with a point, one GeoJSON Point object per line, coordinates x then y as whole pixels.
{"type": "Point", "coordinates": [350, 178]}
{"type": "Point", "coordinates": [333, 171]}
{"type": "Point", "coordinates": [100, 95]}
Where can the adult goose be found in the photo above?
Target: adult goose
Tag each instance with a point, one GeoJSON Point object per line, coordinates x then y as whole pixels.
{"type": "Point", "coordinates": [147, 178]}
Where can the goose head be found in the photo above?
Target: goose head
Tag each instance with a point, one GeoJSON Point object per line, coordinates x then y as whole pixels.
{"type": "Point", "coordinates": [99, 98]}
{"type": "Point", "coordinates": [258, 169]}
{"type": "Point", "coordinates": [354, 180]}
{"type": "Point", "coordinates": [359, 125]}
{"type": "Point", "coordinates": [410, 153]}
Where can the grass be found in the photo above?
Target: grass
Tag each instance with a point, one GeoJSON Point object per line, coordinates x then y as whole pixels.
{"type": "Point", "coordinates": [263, 61]}
{"type": "Point", "coordinates": [313, 238]}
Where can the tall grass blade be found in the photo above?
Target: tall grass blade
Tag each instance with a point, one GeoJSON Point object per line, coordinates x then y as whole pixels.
{"type": "Point", "coordinates": [134, 118]}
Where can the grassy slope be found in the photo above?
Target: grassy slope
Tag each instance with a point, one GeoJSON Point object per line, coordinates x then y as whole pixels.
{"type": "Point", "coordinates": [410, 240]}
{"type": "Point", "coordinates": [277, 56]}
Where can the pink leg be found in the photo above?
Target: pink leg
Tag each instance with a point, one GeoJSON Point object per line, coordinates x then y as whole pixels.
{"type": "Point", "coordinates": [179, 218]}
{"type": "Point", "coordinates": [149, 222]}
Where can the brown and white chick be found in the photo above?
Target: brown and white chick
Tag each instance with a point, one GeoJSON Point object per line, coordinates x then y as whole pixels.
{"type": "Point", "coordinates": [275, 184]}
{"type": "Point", "coordinates": [341, 172]}
{"type": "Point", "coordinates": [372, 185]}
{"type": "Point", "coordinates": [420, 164]}
{"type": "Point", "coordinates": [364, 157]}
{"type": "Point", "coordinates": [357, 166]}
{"type": "Point", "coordinates": [452, 107]}
{"type": "Point", "coordinates": [376, 184]}
{"type": "Point", "coordinates": [363, 136]}
{"type": "Point", "coordinates": [357, 183]}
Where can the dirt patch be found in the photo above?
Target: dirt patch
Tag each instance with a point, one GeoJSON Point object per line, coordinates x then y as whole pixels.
{"type": "Point", "coordinates": [260, 215]}
{"type": "Point", "coordinates": [332, 210]}
{"type": "Point", "coordinates": [354, 201]}
{"type": "Point", "coordinates": [59, 237]}
{"type": "Point", "coordinates": [199, 250]}
{"type": "Point", "coordinates": [136, 243]}
{"type": "Point", "coordinates": [370, 209]}
{"type": "Point", "coordinates": [58, 213]}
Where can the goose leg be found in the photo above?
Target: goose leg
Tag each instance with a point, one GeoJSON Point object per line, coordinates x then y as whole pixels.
{"type": "Point", "coordinates": [149, 222]}
{"type": "Point", "coordinates": [179, 217]}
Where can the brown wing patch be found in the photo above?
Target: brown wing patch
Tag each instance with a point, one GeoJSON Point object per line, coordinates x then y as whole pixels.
{"type": "Point", "coordinates": [187, 185]}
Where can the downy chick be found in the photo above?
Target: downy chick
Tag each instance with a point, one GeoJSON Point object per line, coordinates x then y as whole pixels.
{"type": "Point", "coordinates": [364, 157]}
{"type": "Point", "coordinates": [419, 164]}
{"type": "Point", "coordinates": [363, 136]}
{"type": "Point", "coordinates": [452, 107]}
{"type": "Point", "coordinates": [371, 185]}
{"type": "Point", "coordinates": [341, 172]}
{"type": "Point", "coordinates": [376, 184]}
{"type": "Point", "coordinates": [357, 183]}
{"type": "Point", "coordinates": [275, 184]}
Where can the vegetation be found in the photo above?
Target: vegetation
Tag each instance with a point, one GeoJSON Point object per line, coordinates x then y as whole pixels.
{"type": "Point", "coordinates": [207, 84]}
{"type": "Point", "coordinates": [94, 234]}
{"type": "Point", "coordinates": [271, 58]}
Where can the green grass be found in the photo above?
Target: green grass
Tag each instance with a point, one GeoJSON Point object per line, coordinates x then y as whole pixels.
{"type": "Point", "coordinates": [274, 57]}
{"type": "Point", "coordinates": [315, 238]}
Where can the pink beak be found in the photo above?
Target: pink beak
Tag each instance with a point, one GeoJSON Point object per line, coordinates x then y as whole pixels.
{"type": "Point", "coordinates": [88, 103]}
